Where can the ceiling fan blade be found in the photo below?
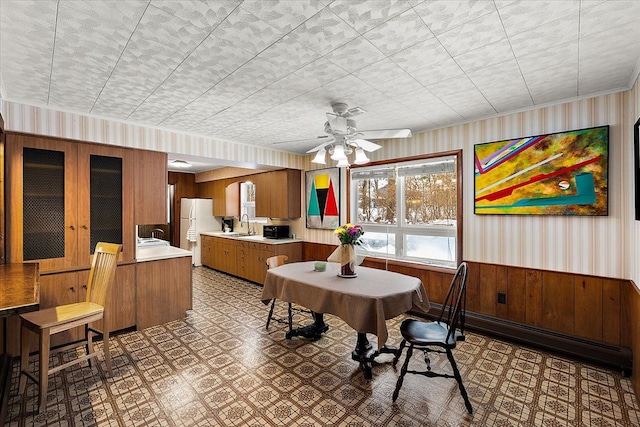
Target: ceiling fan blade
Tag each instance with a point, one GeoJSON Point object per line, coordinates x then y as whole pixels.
{"type": "Point", "coordinates": [319, 147]}
{"type": "Point", "coordinates": [365, 145]}
{"type": "Point", "coordinates": [386, 133]}
{"type": "Point", "coordinates": [355, 111]}
{"type": "Point", "coordinates": [318, 138]}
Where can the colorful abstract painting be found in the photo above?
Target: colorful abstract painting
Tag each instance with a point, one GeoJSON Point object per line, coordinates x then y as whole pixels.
{"type": "Point", "coordinates": [556, 174]}
{"type": "Point", "coordinates": [322, 190]}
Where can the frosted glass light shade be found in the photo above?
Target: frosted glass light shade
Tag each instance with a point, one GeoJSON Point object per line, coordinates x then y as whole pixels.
{"type": "Point", "coordinates": [361, 157]}
{"type": "Point", "coordinates": [320, 157]}
{"type": "Point", "coordinates": [343, 163]}
{"type": "Point", "coordinates": [338, 153]}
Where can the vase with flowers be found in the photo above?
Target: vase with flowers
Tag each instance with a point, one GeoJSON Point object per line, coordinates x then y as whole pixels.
{"type": "Point", "coordinates": [349, 236]}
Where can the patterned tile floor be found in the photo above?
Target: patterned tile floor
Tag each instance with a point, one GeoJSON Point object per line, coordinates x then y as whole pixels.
{"type": "Point", "coordinates": [220, 367]}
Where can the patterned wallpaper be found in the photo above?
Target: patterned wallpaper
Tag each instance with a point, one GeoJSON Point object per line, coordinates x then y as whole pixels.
{"type": "Point", "coordinates": [600, 246]}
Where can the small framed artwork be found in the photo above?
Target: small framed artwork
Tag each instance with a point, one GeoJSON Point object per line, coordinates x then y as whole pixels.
{"type": "Point", "coordinates": [563, 173]}
{"type": "Point", "coordinates": [636, 165]}
{"type": "Point", "coordinates": [322, 195]}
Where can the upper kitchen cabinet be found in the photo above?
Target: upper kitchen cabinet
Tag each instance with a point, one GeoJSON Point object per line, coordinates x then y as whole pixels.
{"type": "Point", "coordinates": [226, 197]}
{"type": "Point", "coordinates": [150, 185]}
{"type": "Point", "coordinates": [278, 194]}
{"type": "Point", "coordinates": [65, 197]}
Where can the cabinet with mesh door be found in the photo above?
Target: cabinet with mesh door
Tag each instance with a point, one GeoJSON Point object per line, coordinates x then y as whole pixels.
{"type": "Point", "coordinates": [64, 198]}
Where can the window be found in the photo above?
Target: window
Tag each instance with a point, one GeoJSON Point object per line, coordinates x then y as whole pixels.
{"type": "Point", "coordinates": [248, 202]}
{"type": "Point", "coordinates": [409, 210]}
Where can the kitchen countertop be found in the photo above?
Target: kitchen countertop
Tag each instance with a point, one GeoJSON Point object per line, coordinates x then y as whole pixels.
{"type": "Point", "coordinates": [255, 238]}
{"type": "Point", "coordinates": [156, 253]}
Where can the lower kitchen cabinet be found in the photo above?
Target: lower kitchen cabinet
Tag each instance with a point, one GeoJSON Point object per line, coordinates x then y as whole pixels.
{"type": "Point", "coordinates": [163, 291]}
{"type": "Point", "coordinates": [244, 258]}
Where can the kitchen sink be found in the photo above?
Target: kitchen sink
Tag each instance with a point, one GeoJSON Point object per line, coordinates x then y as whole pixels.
{"type": "Point", "coordinates": [252, 237]}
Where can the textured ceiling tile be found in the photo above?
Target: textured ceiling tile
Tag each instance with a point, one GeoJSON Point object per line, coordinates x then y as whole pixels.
{"type": "Point", "coordinates": [356, 54]}
{"type": "Point", "coordinates": [543, 92]}
{"type": "Point", "coordinates": [525, 15]}
{"type": "Point", "coordinates": [247, 31]}
{"type": "Point", "coordinates": [285, 15]}
{"type": "Point", "coordinates": [379, 72]}
{"type": "Point", "coordinates": [608, 15]}
{"type": "Point", "coordinates": [485, 56]}
{"type": "Point", "coordinates": [324, 32]}
{"type": "Point", "coordinates": [289, 54]}
{"type": "Point", "coordinates": [442, 15]}
{"type": "Point", "coordinates": [321, 71]}
{"type": "Point", "coordinates": [25, 50]}
{"type": "Point", "coordinates": [291, 86]}
{"type": "Point", "coordinates": [453, 85]}
{"type": "Point", "coordinates": [87, 49]}
{"type": "Point", "coordinates": [401, 32]}
{"type": "Point", "coordinates": [469, 105]}
{"type": "Point", "coordinates": [559, 62]}
{"type": "Point", "coordinates": [255, 75]}
{"type": "Point", "coordinates": [503, 86]}
{"type": "Point", "coordinates": [203, 14]}
{"type": "Point", "coordinates": [474, 34]}
{"type": "Point", "coordinates": [364, 15]}
{"type": "Point", "coordinates": [160, 42]}
{"type": "Point", "coordinates": [424, 54]}
{"type": "Point", "coordinates": [399, 86]}
{"type": "Point", "coordinates": [545, 36]}
{"type": "Point", "coordinates": [435, 73]}
{"type": "Point", "coordinates": [345, 87]}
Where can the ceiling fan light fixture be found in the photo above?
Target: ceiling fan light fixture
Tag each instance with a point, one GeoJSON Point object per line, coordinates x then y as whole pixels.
{"type": "Point", "coordinates": [320, 157]}
{"type": "Point", "coordinates": [338, 153]}
{"type": "Point", "coordinates": [361, 157]}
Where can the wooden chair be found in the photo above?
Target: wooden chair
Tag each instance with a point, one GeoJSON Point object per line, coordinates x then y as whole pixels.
{"type": "Point", "coordinates": [273, 262]}
{"type": "Point", "coordinates": [443, 334]}
{"type": "Point", "coordinates": [58, 319]}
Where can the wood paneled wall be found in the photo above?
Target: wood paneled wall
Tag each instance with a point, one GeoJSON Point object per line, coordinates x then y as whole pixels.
{"type": "Point", "coordinates": [631, 328]}
{"type": "Point", "coordinates": [184, 187]}
{"type": "Point", "coordinates": [575, 305]}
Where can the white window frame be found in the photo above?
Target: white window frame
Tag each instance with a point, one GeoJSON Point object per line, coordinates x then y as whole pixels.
{"type": "Point", "coordinates": [401, 229]}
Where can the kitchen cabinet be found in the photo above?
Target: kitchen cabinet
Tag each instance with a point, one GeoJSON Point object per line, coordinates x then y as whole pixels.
{"type": "Point", "coordinates": [164, 291]}
{"type": "Point", "coordinates": [64, 198]}
{"type": "Point", "coordinates": [226, 197]}
{"type": "Point", "coordinates": [278, 194]}
{"type": "Point", "coordinates": [150, 187]}
{"type": "Point", "coordinates": [245, 258]}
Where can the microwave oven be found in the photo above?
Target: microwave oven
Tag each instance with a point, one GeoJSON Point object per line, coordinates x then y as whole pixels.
{"type": "Point", "coordinates": [275, 231]}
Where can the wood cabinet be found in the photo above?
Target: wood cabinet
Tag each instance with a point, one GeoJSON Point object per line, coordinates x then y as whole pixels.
{"type": "Point", "coordinates": [245, 258]}
{"type": "Point", "coordinates": [226, 197]}
{"type": "Point", "coordinates": [64, 198]}
{"type": "Point", "coordinates": [150, 187]}
{"type": "Point", "coordinates": [278, 194]}
{"type": "Point", "coordinates": [163, 291]}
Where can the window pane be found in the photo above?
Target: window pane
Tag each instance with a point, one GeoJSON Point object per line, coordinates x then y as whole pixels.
{"type": "Point", "coordinates": [376, 201]}
{"type": "Point", "coordinates": [381, 243]}
{"type": "Point", "coordinates": [431, 199]}
{"type": "Point", "coordinates": [432, 247]}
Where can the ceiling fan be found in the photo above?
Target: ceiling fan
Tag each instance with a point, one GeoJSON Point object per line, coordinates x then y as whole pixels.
{"type": "Point", "coordinates": [345, 137]}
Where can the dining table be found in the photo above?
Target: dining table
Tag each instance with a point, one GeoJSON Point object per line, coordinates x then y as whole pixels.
{"type": "Point", "coordinates": [19, 293]}
{"type": "Point", "coordinates": [364, 301]}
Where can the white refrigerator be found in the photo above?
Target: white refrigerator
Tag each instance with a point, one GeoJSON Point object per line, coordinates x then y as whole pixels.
{"type": "Point", "coordinates": [196, 216]}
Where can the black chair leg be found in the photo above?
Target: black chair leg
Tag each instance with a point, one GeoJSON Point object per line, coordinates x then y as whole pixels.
{"type": "Point", "coordinates": [399, 353]}
{"type": "Point", "coordinates": [273, 304]}
{"type": "Point", "coordinates": [403, 372]}
{"type": "Point", "coordinates": [456, 374]}
{"type": "Point", "coordinates": [290, 319]}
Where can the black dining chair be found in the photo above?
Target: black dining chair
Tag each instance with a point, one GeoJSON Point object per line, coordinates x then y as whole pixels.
{"type": "Point", "coordinates": [273, 262]}
{"type": "Point", "coordinates": [439, 336]}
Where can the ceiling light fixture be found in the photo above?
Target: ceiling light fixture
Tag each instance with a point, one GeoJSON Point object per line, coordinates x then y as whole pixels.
{"type": "Point", "coordinates": [339, 152]}
{"type": "Point", "coordinates": [320, 157]}
{"type": "Point", "coordinates": [181, 164]}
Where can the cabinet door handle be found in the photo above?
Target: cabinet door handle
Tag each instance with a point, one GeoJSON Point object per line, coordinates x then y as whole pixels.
{"type": "Point", "coordinates": [72, 289]}
{"type": "Point", "coordinates": [72, 227]}
{"type": "Point", "coordinates": [84, 286]}
{"type": "Point", "coordinates": [84, 227]}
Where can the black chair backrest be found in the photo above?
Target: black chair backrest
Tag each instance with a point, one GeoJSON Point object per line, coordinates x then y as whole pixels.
{"type": "Point", "coordinates": [455, 304]}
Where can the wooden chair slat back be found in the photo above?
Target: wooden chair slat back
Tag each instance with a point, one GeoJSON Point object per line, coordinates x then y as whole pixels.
{"type": "Point", "coordinates": [102, 273]}
{"type": "Point", "coordinates": [276, 260]}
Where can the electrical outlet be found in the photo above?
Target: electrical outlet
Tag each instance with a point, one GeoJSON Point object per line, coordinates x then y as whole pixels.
{"type": "Point", "coordinates": [502, 298]}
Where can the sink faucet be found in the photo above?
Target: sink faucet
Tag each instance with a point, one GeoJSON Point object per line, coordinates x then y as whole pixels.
{"type": "Point", "coordinates": [155, 231]}
{"type": "Point", "coordinates": [249, 230]}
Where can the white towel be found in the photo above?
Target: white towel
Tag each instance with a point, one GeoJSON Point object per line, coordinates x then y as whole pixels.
{"type": "Point", "coordinates": [191, 234]}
